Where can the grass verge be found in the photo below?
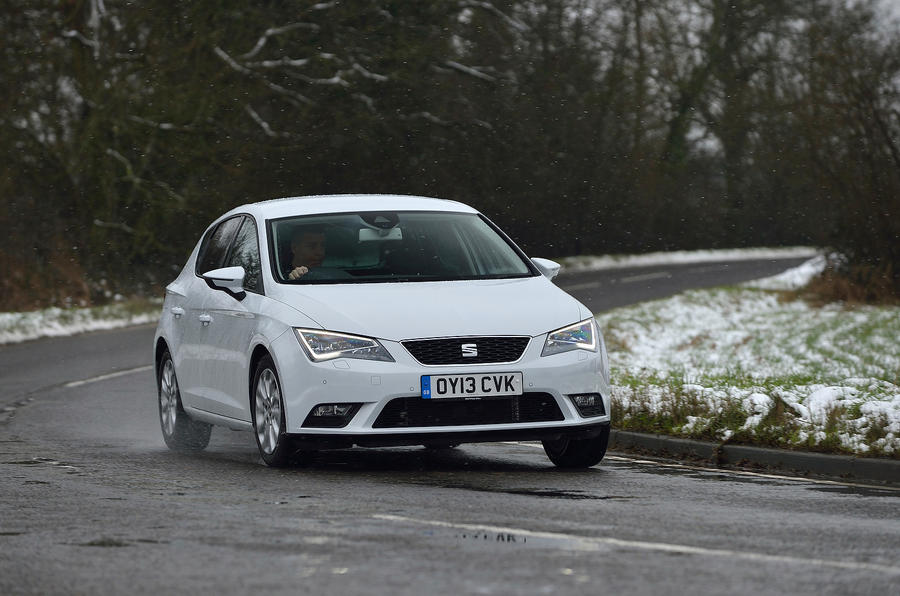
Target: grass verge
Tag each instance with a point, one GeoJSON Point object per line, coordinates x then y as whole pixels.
{"type": "Point", "coordinates": [754, 366]}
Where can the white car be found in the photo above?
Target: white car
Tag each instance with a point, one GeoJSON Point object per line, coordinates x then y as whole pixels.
{"type": "Point", "coordinates": [374, 320]}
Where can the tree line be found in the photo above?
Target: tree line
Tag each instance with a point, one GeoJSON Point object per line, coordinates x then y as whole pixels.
{"type": "Point", "coordinates": [579, 126]}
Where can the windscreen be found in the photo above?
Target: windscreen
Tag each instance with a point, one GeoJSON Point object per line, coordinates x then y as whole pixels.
{"type": "Point", "coordinates": [390, 247]}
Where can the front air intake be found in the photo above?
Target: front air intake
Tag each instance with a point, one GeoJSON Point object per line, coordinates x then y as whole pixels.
{"type": "Point", "coordinates": [410, 412]}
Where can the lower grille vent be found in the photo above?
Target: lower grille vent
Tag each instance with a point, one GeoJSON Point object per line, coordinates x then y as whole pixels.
{"type": "Point", "coordinates": [411, 412]}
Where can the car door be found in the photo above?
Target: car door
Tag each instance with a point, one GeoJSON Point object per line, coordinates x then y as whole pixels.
{"type": "Point", "coordinates": [231, 327]}
{"type": "Point", "coordinates": [192, 360]}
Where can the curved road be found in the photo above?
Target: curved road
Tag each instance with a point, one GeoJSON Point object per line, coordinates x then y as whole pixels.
{"type": "Point", "coordinates": [92, 502]}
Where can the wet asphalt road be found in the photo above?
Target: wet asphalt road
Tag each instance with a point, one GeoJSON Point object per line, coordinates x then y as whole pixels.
{"type": "Point", "coordinates": [91, 502]}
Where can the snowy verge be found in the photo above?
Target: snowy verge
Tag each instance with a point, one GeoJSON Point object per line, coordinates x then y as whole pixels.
{"type": "Point", "coordinates": [744, 364]}
{"type": "Point", "coordinates": [792, 279]}
{"type": "Point", "coordinates": [599, 262]}
{"type": "Point", "coordinates": [54, 322]}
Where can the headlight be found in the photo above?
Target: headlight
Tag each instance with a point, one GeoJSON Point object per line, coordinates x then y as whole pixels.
{"type": "Point", "coordinates": [325, 345]}
{"type": "Point", "coordinates": [580, 336]}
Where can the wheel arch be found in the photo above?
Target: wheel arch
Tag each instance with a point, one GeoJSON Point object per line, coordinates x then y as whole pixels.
{"type": "Point", "coordinates": [161, 348]}
{"type": "Point", "coordinates": [259, 352]}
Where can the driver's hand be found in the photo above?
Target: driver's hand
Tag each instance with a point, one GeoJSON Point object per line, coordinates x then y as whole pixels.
{"type": "Point", "coordinates": [298, 272]}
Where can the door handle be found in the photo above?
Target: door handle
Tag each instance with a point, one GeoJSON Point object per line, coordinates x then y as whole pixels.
{"type": "Point", "coordinates": [177, 312]}
{"type": "Point", "coordinates": [205, 319]}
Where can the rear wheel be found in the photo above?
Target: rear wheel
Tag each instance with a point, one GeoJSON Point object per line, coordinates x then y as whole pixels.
{"type": "Point", "coordinates": [180, 432]}
{"type": "Point", "coordinates": [275, 446]}
{"type": "Point", "coordinates": [577, 453]}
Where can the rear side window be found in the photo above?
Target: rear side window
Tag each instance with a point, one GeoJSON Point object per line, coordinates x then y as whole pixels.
{"type": "Point", "coordinates": [245, 253]}
{"type": "Point", "coordinates": [215, 246]}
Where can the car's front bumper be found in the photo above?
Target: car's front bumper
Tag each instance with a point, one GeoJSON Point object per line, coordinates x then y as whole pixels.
{"type": "Point", "coordinates": [318, 441]}
{"type": "Point", "coordinates": [373, 385]}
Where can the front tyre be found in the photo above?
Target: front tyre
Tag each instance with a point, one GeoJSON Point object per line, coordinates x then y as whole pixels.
{"type": "Point", "coordinates": [180, 432]}
{"type": "Point", "coordinates": [275, 446]}
{"type": "Point", "coordinates": [577, 453]}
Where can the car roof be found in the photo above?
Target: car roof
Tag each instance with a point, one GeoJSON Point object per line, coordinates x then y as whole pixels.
{"type": "Point", "coordinates": [321, 204]}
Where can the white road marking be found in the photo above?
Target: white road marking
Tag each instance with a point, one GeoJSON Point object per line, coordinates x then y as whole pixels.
{"type": "Point", "coordinates": [635, 460]}
{"type": "Point", "coordinates": [708, 269]}
{"type": "Point", "coordinates": [593, 542]}
{"type": "Point", "coordinates": [113, 375]}
{"type": "Point", "coordinates": [644, 277]}
{"type": "Point", "coordinates": [658, 464]}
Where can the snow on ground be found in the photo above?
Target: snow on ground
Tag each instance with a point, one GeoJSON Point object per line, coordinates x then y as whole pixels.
{"type": "Point", "coordinates": [591, 263]}
{"type": "Point", "coordinates": [54, 322]}
{"type": "Point", "coordinates": [743, 361]}
{"type": "Point", "coordinates": [792, 279]}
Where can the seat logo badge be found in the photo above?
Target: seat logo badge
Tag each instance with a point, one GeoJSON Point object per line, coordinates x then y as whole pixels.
{"type": "Point", "coordinates": [469, 350]}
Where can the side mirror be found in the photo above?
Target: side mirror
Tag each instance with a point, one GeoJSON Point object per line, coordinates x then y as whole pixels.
{"type": "Point", "coordinates": [549, 268]}
{"type": "Point", "coordinates": [227, 279]}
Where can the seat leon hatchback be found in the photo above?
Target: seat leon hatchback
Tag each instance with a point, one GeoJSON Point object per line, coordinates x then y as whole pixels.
{"type": "Point", "coordinates": [375, 320]}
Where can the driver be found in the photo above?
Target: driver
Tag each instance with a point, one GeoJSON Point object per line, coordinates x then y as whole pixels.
{"type": "Point", "coordinates": [307, 249]}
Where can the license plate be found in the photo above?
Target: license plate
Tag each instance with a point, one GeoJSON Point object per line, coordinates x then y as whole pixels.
{"type": "Point", "coordinates": [480, 385]}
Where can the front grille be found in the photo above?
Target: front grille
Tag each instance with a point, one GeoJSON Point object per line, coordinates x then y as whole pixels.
{"type": "Point", "coordinates": [410, 412]}
{"type": "Point", "coordinates": [449, 350]}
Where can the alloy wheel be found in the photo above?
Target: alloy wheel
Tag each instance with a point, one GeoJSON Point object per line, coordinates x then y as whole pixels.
{"type": "Point", "coordinates": [268, 411]}
{"type": "Point", "coordinates": [168, 398]}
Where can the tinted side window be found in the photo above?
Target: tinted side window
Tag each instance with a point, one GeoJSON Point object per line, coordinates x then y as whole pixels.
{"type": "Point", "coordinates": [212, 253]}
{"type": "Point", "coordinates": [245, 253]}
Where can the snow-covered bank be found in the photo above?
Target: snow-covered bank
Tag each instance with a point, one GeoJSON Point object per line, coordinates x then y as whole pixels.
{"type": "Point", "coordinates": [743, 364]}
{"type": "Point", "coordinates": [598, 262]}
{"type": "Point", "coordinates": [54, 322]}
